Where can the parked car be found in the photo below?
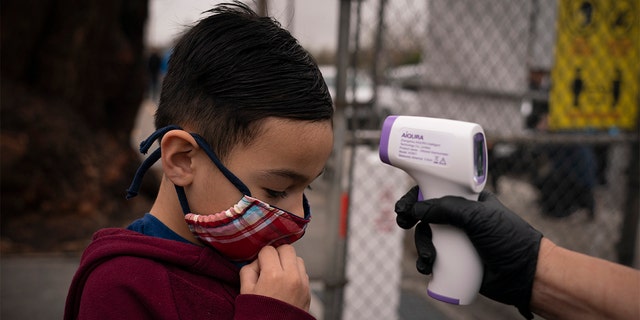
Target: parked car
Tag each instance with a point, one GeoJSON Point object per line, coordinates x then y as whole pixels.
{"type": "Point", "coordinates": [408, 77]}
{"type": "Point", "coordinates": [363, 85]}
{"type": "Point", "coordinates": [361, 109]}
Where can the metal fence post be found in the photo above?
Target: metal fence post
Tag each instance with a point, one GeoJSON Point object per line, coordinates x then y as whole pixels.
{"type": "Point", "coordinates": [631, 222]}
{"type": "Point", "coordinates": [335, 277]}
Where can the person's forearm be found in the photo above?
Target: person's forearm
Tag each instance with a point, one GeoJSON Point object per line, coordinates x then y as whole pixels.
{"type": "Point", "coordinates": [571, 285]}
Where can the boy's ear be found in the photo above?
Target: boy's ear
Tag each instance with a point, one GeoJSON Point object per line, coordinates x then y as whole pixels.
{"type": "Point", "coordinates": [178, 148]}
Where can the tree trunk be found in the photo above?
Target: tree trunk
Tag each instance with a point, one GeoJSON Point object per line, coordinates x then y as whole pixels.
{"type": "Point", "coordinates": [72, 80]}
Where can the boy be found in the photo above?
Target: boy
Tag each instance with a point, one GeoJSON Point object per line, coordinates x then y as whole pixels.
{"type": "Point", "coordinates": [244, 114]}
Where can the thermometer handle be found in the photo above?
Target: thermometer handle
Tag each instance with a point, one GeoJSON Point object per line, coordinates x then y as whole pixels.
{"type": "Point", "coordinates": [457, 270]}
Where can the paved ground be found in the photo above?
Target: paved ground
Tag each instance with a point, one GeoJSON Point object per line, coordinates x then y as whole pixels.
{"type": "Point", "coordinates": [35, 287]}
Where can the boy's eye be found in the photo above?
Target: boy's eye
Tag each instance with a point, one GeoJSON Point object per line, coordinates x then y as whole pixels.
{"type": "Point", "coordinates": [276, 194]}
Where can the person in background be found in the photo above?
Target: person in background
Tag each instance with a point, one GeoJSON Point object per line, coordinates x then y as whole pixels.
{"type": "Point", "coordinates": [153, 70]}
{"type": "Point", "coordinates": [567, 179]}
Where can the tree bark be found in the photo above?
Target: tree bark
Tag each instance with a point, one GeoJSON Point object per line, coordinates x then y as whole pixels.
{"type": "Point", "coordinates": [72, 80]}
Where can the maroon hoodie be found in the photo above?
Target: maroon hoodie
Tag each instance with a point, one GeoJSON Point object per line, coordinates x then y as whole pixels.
{"type": "Point", "coordinates": [127, 275]}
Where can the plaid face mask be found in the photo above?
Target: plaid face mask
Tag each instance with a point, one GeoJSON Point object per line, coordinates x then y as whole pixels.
{"type": "Point", "coordinates": [241, 231]}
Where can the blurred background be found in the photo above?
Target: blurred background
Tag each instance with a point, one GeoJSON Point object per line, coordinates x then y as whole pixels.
{"type": "Point", "coordinates": [554, 84]}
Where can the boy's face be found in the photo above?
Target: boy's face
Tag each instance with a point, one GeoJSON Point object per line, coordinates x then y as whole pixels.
{"type": "Point", "coordinates": [276, 166]}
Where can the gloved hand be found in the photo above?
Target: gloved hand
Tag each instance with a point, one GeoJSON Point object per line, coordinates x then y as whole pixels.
{"type": "Point", "coordinates": [508, 246]}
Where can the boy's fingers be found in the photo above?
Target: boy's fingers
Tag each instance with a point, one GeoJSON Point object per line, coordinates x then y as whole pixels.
{"type": "Point", "coordinates": [288, 257]}
{"type": "Point", "coordinates": [301, 268]}
{"type": "Point", "coordinates": [249, 275]}
{"type": "Point", "coordinates": [269, 259]}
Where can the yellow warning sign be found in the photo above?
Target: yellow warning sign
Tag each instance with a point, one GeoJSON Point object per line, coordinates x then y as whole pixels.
{"type": "Point", "coordinates": [595, 77]}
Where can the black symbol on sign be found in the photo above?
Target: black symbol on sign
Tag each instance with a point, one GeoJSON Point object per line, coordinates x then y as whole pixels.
{"type": "Point", "coordinates": [583, 16]}
{"type": "Point", "coordinates": [622, 19]}
{"type": "Point", "coordinates": [577, 87]}
{"type": "Point", "coordinates": [586, 9]}
{"type": "Point", "coordinates": [616, 88]}
{"type": "Point", "coordinates": [442, 162]}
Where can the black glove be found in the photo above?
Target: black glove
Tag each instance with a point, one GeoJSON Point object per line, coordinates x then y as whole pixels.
{"type": "Point", "coordinates": [508, 246]}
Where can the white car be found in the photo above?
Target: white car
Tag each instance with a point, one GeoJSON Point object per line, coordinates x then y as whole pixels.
{"type": "Point", "coordinates": [363, 85]}
{"type": "Point", "coordinates": [361, 111]}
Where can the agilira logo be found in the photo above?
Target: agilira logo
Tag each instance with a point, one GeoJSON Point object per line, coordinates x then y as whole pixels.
{"type": "Point", "coordinates": [409, 135]}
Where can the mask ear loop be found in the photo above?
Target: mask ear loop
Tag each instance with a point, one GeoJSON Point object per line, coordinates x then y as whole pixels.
{"type": "Point", "coordinates": [306, 207]}
{"type": "Point", "coordinates": [144, 167]}
{"type": "Point", "coordinates": [134, 188]}
{"type": "Point", "coordinates": [182, 197]}
{"type": "Point", "coordinates": [228, 174]}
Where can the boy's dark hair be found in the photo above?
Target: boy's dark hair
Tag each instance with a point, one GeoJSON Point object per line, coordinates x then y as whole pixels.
{"type": "Point", "coordinates": [234, 69]}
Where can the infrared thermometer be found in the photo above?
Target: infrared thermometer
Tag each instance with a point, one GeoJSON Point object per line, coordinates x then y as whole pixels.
{"type": "Point", "coordinates": [445, 157]}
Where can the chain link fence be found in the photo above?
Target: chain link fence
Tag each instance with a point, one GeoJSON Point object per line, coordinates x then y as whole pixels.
{"type": "Point", "coordinates": [554, 84]}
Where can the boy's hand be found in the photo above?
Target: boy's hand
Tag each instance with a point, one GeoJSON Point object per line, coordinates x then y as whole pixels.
{"type": "Point", "coordinates": [277, 273]}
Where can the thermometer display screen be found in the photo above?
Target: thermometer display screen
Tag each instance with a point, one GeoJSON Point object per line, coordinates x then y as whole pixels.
{"type": "Point", "coordinates": [479, 156]}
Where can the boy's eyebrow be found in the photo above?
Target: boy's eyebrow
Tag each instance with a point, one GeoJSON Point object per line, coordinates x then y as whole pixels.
{"type": "Point", "coordinates": [293, 175]}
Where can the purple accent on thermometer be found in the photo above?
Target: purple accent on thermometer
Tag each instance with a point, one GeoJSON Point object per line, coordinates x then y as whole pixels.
{"type": "Point", "coordinates": [442, 298]}
{"type": "Point", "coordinates": [384, 138]}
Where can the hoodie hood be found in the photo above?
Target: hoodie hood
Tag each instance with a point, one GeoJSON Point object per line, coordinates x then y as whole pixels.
{"type": "Point", "coordinates": [111, 243]}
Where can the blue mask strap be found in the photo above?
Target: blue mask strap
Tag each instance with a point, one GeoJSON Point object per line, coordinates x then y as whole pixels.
{"type": "Point", "coordinates": [228, 174]}
{"type": "Point", "coordinates": [306, 207]}
{"type": "Point", "coordinates": [144, 167]}
{"type": "Point", "coordinates": [147, 143]}
{"type": "Point", "coordinates": [134, 188]}
{"type": "Point", "coordinates": [182, 197]}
